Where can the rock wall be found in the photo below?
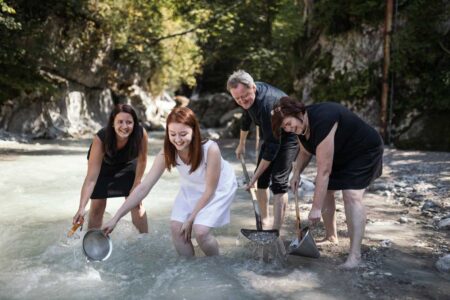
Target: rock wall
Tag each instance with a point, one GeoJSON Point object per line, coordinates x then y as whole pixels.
{"type": "Point", "coordinates": [351, 54]}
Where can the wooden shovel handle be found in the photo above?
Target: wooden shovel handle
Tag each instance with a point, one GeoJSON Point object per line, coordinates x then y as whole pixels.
{"type": "Point", "coordinates": [297, 213]}
{"type": "Point", "coordinates": [73, 229]}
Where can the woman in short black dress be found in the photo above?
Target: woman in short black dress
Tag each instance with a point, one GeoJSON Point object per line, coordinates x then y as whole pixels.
{"type": "Point", "coordinates": [348, 155]}
{"type": "Point", "coordinates": [116, 163]}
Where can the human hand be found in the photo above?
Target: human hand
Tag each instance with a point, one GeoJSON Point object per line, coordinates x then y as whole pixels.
{"type": "Point", "coordinates": [295, 183]}
{"type": "Point", "coordinates": [240, 150]}
{"type": "Point", "coordinates": [186, 229]}
{"type": "Point", "coordinates": [250, 185]}
{"type": "Point", "coordinates": [314, 215]}
{"type": "Point", "coordinates": [79, 217]}
{"type": "Point", "coordinates": [109, 226]}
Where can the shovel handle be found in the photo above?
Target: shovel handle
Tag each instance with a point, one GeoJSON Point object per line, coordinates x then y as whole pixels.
{"type": "Point", "coordinates": [73, 229]}
{"type": "Point", "coordinates": [297, 213]}
{"type": "Point", "coordinates": [253, 194]}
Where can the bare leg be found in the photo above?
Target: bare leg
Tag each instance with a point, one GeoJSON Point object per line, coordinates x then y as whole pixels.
{"type": "Point", "coordinates": [329, 220]}
{"type": "Point", "coordinates": [183, 248]}
{"type": "Point", "coordinates": [139, 218]}
{"type": "Point", "coordinates": [279, 209]}
{"type": "Point", "coordinates": [355, 213]}
{"type": "Point", "coordinates": [206, 240]}
{"type": "Point", "coordinates": [96, 213]}
{"type": "Point", "coordinates": [263, 199]}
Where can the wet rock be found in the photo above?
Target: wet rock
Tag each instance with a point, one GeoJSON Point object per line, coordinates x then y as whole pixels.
{"type": "Point", "coordinates": [306, 189]}
{"type": "Point", "coordinates": [444, 223]}
{"type": "Point", "coordinates": [443, 264]}
{"type": "Point", "coordinates": [403, 220]}
{"type": "Point", "coordinates": [430, 206]}
{"type": "Point", "coordinates": [427, 214]}
{"type": "Point", "coordinates": [386, 194]}
{"type": "Point", "coordinates": [386, 243]}
{"type": "Point", "coordinates": [416, 197]}
{"type": "Point", "coordinates": [400, 184]}
{"type": "Point", "coordinates": [379, 186]}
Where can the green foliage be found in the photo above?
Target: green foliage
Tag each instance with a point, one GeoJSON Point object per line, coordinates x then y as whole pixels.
{"type": "Point", "coordinates": [353, 87]}
{"type": "Point", "coordinates": [7, 18]}
{"type": "Point", "coordinates": [62, 36]}
{"type": "Point", "coordinates": [335, 17]}
{"type": "Point", "coordinates": [257, 36]}
{"type": "Point", "coordinates": [200, 42]}
{"type": "Point", "coordinates": [421, 57]}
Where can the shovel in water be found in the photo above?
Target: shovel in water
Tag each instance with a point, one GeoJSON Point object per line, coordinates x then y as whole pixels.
{"type": "Point", "coordinates": [259, 235]}
{"type": "Point", "coordinates": [304, 244]}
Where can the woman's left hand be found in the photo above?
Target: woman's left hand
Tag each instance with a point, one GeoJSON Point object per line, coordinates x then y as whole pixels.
{"type": "Point", "coordinates": [314, 215]}
{"type": "Point", "coordinates": [186, 229]}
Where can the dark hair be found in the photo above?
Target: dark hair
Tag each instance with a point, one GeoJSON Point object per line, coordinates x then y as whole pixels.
{"type": "Point", "coordinates": [187, 117]}
{"type": "Point", "coordinates": [286, 107]}
{"type": "Point", "coordinates": [135, 138]}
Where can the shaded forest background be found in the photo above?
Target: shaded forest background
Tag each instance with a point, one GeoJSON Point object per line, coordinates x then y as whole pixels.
{"type": "Point", "coordinates": [315, 50]}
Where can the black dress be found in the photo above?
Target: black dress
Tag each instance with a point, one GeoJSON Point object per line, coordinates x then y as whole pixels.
{"type": "Point", "coordinates": [358, 148]}
{"type": "Point", "coordinates": [117, 173]}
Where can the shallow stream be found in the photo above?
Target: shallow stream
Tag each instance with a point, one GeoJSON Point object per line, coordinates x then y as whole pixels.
{"type": "Point", "coordinates": [39, 190]}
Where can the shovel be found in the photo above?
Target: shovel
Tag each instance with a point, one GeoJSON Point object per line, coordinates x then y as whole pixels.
{"type": "Point", "coordinates": [304, 244]}
{"type": "Point", "coordinates": [75, 227]}
{"type": "Point", "coordinates": [259, 235]}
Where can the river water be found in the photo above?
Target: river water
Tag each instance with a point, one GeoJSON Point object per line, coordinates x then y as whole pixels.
{"type": "Point", "coordinates": [39, 188]}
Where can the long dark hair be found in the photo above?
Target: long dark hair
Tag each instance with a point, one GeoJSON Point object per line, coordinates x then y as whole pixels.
{"type": "Point", "coordinates": [286, 107]}
{"type": "Point", "coordinates": [187, 117]}
{"type": "Point", "coordinates": [135, 138]}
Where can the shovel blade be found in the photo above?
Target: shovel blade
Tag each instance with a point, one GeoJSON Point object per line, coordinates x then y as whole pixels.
{"type": "Point", "coordinates": [304, 247]}
{"type": "Point", "coordinates": [294, 244]}
{"type": "Point", "coordinates": [263, 237]}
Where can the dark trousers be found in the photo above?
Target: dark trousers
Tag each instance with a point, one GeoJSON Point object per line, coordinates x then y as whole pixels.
{"type": "Point", "coordinates": [277, 174]}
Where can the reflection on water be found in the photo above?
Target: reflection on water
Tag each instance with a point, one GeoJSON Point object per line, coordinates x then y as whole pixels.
{"type": "Point", "coordinates": [39, 195]}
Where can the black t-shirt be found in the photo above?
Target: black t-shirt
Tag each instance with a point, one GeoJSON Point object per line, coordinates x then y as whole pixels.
{"type": "Point", "coordinates": [261, 114]}
{"type": "Point", "coordinates": [353, 136]}
{"type": "Point", "coordinates": [124, 155]}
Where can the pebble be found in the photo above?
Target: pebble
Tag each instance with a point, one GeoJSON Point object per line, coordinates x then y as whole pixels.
{"type": "Point", "coordinates": [386, 194]}
{"type": "Point", "coordinates": [403, 220]}
{"type": "Point", "coordinates": [386, 243]}
{"type": "Point", "coordinates": [443, 264]}
{"type": "Point", "coordinates": [430, 206]}
{"type": "Point", "coordinates": [444, 223]}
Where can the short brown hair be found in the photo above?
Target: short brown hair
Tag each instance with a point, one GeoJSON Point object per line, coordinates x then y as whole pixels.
{"type": "Point", "coordinates": [286, 107]}
{"type": "Point", "coordinates": [187, 117]}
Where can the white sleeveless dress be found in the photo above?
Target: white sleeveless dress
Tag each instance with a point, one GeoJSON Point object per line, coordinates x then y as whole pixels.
{"type": "Point", "coordinates": [216, 213]}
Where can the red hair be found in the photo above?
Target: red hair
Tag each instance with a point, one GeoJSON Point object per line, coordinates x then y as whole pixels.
{"type": "Point", "coordinates": [183, 115]}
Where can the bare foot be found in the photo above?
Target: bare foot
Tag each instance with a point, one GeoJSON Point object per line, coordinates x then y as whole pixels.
{"type": "Point", "coordinates": [352, 262]}
{"type": "Point", "coordinates": [330, 241]}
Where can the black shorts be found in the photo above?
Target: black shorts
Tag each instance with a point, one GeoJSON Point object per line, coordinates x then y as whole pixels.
{"type": "Point", "coordinates": [277, 174]}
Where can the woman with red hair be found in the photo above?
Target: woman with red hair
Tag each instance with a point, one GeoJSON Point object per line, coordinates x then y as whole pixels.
{"type": "Point", "coordinates": [208, 185]}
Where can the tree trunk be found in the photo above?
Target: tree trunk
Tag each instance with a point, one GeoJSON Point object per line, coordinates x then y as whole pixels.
{"type": "Point", "coordinates": [386, 51]}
